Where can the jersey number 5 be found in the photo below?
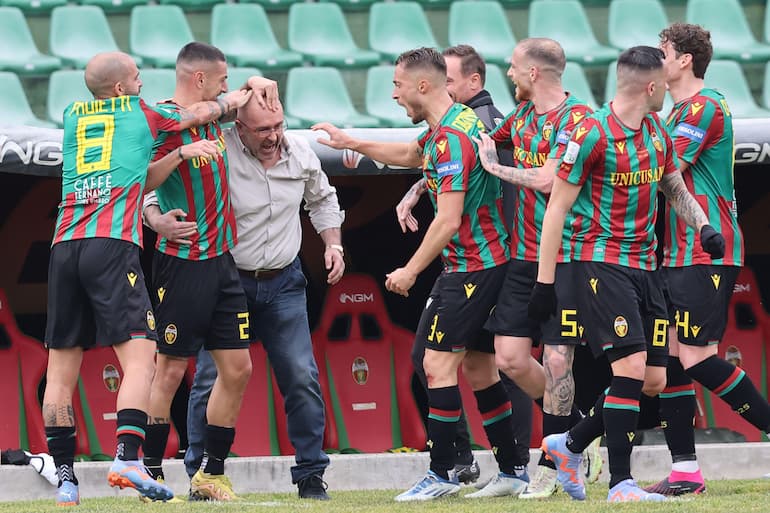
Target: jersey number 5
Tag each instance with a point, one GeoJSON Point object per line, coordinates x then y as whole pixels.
{"type": "Point", "coordinates": [98, 149]}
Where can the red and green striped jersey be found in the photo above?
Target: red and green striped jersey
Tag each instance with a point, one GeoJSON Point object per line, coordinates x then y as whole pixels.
{"type": "Point", "coordinates": [199, 186]}
{"type": "Point", "coordinates": [106, 148]}
{"type": "Point", "coordinates": [450, 163]}
{"type": "Point", "coordinates": [702, 129]}
{"type": "Point", "coordinates": [535, 138]}
{"type": "Point", "coordinates": [619, 169]}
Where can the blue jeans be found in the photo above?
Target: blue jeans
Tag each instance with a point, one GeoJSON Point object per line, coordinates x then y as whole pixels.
{"type": "Point", "coordinates": [278, 309]}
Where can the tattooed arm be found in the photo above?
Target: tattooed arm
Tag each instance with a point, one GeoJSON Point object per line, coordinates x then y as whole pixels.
{"type": "Point", "coordinates": [536, 178]}
{"type": "Point", "coordinates": [672, 185]}
{"type": "Point", "coordinates": [407, 203]}
{"type": "Point", "coordinates": [205, 112]}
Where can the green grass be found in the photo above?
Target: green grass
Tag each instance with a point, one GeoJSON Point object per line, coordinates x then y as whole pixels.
{"type": "Point", "coordinates": [722, 497]}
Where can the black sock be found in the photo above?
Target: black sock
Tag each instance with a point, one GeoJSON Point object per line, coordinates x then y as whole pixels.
{"type": "Point", "coordinates": [677, 411]}
{"type": "Point", "coordinates": [553, 424]}
{"type": "Point", "coordinates": [130, 432]}
{"type": "Point", "coordinates": [621, 414]}
{"type": "Point", "coordinates": [61, 447]}
{"type": "Point", "coordinates": [444, 411]}
{"type": "Point", "coordinates": [733, 386]}
{"type": "Point", "coordinates": [217, 447]}
{"type": "Point", "coordinates": [155, 441]}
{"type": "Point", "coordinates": [592, 426]}
{"type": "Point", "coordinates": [464, 455]}
{"type": "Point", "coordinates": [495, 409]}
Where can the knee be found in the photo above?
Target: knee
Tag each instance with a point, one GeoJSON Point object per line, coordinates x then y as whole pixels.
{"type": "Point", "coordinates": [238, 372]}
{"type": "Point", "coordinates": [511, 362]}
{"type": "Point", "coordinates": [556, 364]}
{"type": "Point", "coordinates": [653, 386]}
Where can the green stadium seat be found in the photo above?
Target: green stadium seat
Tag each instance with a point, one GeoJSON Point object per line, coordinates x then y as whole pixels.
{"type": "Point", "coordinates": [14, 104]}
{"type": "Point", "coordinates": [65, 87]}
{"type": "Point", "coordinates": [319, 94]}
{"type": "Point", "coordinates": [379, 98]}
{"type": "Point", "coordinates": [574, 81]}
{"type": "Point", "coordinates": [18, 51]}
{"type": "Point", "coordinates": [157, 85]}
{"type": "Point", "coordinates": [33, 7]}
{"type": "Point", "coordinates": [731, 35]}
{"type": "Point", "coordinates": [274, 5]}
{"type": "Point", "coordinates": [237, 77]}
{"type": "Point", "coordinates": [157, 33]}
{"type": "Point", "coordinates": [243, 33]}
{"type": "Point", "coordinates": [320, 33]}
{"type": "Point", "coordinates": [76, 47]}
{"type": "Point", "coordinates": [612, 83]}
{"type": "Point", "coordinates": [395, 27]}
{"type": "Point", "coordinates": [766, 87]}
{"type": "Point", "coordinates": [292, 122]}
{"type": "Point", "coordinates": [352, 5]}
{"type": "Point", "coordinates": [484, 26]}
{"type": "Point", "coordinates": [191, 5]}
{"type": "Point", "coordinates": [435, 4]}
{"type": "Point", "coordinates": [635, 22]}
{"type": "Point", "coordinates": [566, 22]}
{"type": "Point", "coordinates": [114, 6]}
{"type": "Point", "coordinates": [499, 86]}
{"type": "Point", "coordinates": [727, 77]}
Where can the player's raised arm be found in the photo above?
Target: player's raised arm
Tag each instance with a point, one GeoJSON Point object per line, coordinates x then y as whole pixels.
{"type": "Point", "coordinates": [407, 154]}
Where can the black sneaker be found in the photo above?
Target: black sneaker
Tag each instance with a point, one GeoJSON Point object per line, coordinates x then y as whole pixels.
{"type": "Point", "coordinates": [313, 487]}
{"type": "Point", "coordinates": [468, 473]}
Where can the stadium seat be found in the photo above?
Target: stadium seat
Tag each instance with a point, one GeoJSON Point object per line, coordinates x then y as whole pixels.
{"type": "Point", "coordinates": [33, 7]}
{"type": "Point", "coordinates": [157, 32]}
{"type": "Point", "coordinates": [731, 35]}
{"type": "Point", "coordinates": [635, 22]}
{"type": "Point", "coordinates": [484, 26]}
{"type": "Point", "coordinates": [566, 22]}
{"type": "Point", "coordinates": [435, 4]}
{"type": "Point", "coordinates": [352, 5]}
{"type": "Point", "coordinates": [274, 5]}
{"type": "Point", "coordinates": [76, 47]}
{"type": "Point", "coordinates": [114, 6]}
{"type": "Point", "coordinates": [368, 394]}
{"type": "Point", "coordinates": [395, 27]}
{"type": "Point", "coordinates": [379, 100]}
{"type": "Point", "coordinates": [191, 5]}
{"type": "Point", "coordinates": [14, 104]}
{"type": "Point", "coordinates": [157, 85]}
{"type": "Point", "coordinates": [292, 122]}
{"type": "Point", "coordinates": [744, 345]}
{"type": "Point", "coordinates": [234, 30]}
{"type": "Point", "coordinates": [237, 77]}
{"type": "Point", "coordinates": [728, 78]}
{"type": "Point", "coordinates": [65, 87]}
{"type": "Point", "coordinates": [499, 86]}
{"type": "Point", "coordinates": [574, 80]}
{"type": "Point", "coordinates": [319, 94]}
{"type": "Point", "coordinates": [766, 87]}
{"type": "Point", "coordinates": [18, 51]}
{"type": "Point", "coordinates": [320, 33]}
{"type": "Point", "coordinates": [611, 85]}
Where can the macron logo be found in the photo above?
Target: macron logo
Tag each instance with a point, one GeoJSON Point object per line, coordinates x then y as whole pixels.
{"type": "Point", "coordinates": [691, 132]}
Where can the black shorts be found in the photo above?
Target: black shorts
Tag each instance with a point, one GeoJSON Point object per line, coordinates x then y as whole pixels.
{"type": "Point", "coordinates": [698, 299]}
{"type": "Point", "coordinates": [564, 329]}
{"type": "Point", "coordinates": [510, 317]}
{"type": "Point", "coordinates": [622, 308]}
{"type": "Point", "coordinates": [457, 308]}
{"type": "Point", "coordinates": [96, 295]}
{"type": "Point", "coordinates": [198, 303]}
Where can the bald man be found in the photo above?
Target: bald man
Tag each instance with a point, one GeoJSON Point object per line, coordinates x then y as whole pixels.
{"type": "Point", "coordinates": [96, 290]}
{"type": "Point", "coordinates": [622, 155]}
{"type": "Point", "coordinates": [199, 301]}
{"type": "Point", "coordinates": [469, 233]}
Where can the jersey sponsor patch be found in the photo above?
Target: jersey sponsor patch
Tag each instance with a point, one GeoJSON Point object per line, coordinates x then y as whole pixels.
{"type": "Point", "coordinates": [691, 132]}
{"type": "Point", "coordinates": [563, 136]}
{"type": "Point", "coordinates": [449, 168]}
{"type": "Point", "coordinates": [571, 153]}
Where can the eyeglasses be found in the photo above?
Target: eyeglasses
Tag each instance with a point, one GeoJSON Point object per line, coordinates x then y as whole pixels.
{"type": "Point", "coordinates": [267, 131]}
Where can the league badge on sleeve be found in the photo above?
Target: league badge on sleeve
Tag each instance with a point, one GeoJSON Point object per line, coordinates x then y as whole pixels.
{"type": "Point", "coordinates": [571, 153]}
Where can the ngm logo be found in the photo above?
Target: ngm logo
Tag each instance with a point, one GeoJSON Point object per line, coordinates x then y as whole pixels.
{"type": "Point", "coordinates": [356, 297]}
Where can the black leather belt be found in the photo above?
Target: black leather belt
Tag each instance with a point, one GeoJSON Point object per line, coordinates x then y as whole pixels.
{"type": "Point", "coordinates": [262, 274]}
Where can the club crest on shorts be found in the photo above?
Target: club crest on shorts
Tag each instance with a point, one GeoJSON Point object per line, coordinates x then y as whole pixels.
{"type": "Point", "coordinates": [150, 320]}
{"type": "Point", "coordinates": [360, 370]}
{"type": "Point", "coordinates": [621, 326]}
{"type": "Point", "coordinates": [111, 378]}
{"type": "Point", "coordinates": [169, 335]}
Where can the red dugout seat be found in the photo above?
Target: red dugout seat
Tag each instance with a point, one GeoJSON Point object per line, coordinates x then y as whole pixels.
{"type": "Point", "coordinates": [365, 360]}
{"type": "Point", "coordinates": [743, 344]}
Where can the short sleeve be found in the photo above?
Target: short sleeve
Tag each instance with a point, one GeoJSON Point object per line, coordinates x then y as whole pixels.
{"type": "Point", "coordinates": [583, 151]}
{"type": "Point", "coordinates": [695, 128]}
{"type": "Point", "coordinates": [567, 124]}
{"type": "Point", "coordinates": [454, 159]}
{"type": "Point", "coordinates": [162, 118]}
